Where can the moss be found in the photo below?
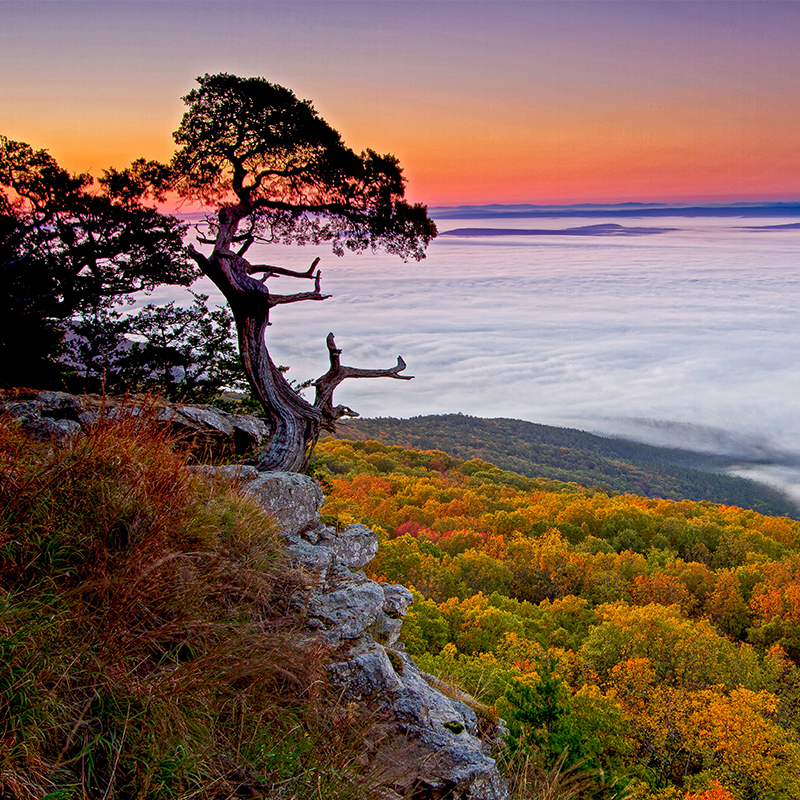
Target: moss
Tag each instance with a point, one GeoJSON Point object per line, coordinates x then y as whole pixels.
{"type": "Point", "coordinates": [454, 726]}
{"type": "Point", "coordinates": [396, 660]}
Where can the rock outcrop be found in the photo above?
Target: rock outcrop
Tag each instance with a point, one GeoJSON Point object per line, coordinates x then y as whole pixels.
{"type": "Point", "coordinates": [56, 416]}
{"type": "Point", "coordinates": [433, 745]}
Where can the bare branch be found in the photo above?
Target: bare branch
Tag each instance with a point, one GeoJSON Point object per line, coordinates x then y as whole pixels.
{"type": "Point", "coordinates": [270, 270]}
{"type": "Point", "coordinates": [198, 257]}
{"type": "Point", "coordinates": [283, 299]}
{"type": "Point", "coordinates": [336, 413]}
{"type": "Point", "coordinates": [336, 374]}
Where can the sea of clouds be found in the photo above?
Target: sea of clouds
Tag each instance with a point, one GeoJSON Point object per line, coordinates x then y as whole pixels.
{"type": "Point", "coordinates": [687, 338]}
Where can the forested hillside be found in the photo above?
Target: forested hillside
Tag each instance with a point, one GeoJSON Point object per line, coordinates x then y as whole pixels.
{"type": "Point", "coordinates": [653, 641]}
{"type": "Point", "coordinates": [570, 455]}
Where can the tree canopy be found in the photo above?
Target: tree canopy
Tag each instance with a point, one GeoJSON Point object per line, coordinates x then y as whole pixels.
{"type": "Point", "coordinates": [90, 245]}
{"type": "Point", "coordinates": [663, 671]}
{"type": "Point", "coordinates": [275, 172]}
{"type": "Point", "coordinates": [282, 174]}
{"type": "Point", "coordinates": [71, 248]}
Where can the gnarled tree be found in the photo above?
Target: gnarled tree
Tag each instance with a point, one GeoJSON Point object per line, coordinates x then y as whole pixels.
{"type": "Point", "coordinates": [274, 171]}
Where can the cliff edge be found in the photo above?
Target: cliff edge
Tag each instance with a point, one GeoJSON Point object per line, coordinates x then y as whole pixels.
{"type": "Point", "coordinates": [430, 745]}
{"type": "Point", "coordinates": [426, 744]}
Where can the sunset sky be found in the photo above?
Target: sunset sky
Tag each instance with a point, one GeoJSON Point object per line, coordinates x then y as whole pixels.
{"type": "Point", "coordinates": [505, 102]}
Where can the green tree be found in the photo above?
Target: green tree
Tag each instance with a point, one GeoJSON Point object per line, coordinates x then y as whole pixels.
{"type": "Point", "coordinates": [539, 715]}
{"type": "Point", "coordinates": [182, 353]}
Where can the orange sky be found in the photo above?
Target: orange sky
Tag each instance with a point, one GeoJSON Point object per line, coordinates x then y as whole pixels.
{"type": "Point", "coordinates": [539, 102]}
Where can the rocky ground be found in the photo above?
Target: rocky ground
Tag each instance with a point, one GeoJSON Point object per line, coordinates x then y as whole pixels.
{"type": "Point", "coordinates": [427, 741]}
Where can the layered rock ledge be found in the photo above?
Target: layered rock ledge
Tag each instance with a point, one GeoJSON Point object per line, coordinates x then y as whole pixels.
{"type": "Point", "coordinates": [56, 416]}
{"type": "Point", "coordinates": [432, 745]}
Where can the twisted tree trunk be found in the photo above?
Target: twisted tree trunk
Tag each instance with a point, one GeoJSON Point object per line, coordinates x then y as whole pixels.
{"type": "Point", "coordinates": [295, 423]}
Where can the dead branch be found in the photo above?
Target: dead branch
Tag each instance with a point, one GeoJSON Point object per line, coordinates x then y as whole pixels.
{"type": "Point", "coordinates": [326, 384]}
{"type": "Point", "coordinates": [268, 269]}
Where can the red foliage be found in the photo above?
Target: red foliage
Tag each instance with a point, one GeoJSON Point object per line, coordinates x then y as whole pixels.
{"type": "Point", "coordinates": [714, 792]}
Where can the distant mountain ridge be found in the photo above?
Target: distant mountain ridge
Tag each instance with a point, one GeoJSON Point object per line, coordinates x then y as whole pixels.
{"type": "Point", "coordinates": [601, 229]}
{"type": "Point", "coordinates": [527, 211]}
{"type": "Point", "coordinates": [570, 455]}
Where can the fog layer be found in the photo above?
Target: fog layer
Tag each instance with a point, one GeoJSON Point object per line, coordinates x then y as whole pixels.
{"type": "Point", "coordinates": [689, 338]}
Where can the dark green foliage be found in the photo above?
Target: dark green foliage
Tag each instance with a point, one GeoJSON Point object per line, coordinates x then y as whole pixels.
{"type": "Point", "coordinates": [539, 712]}
{"type": "Point", "coordinates": [564, 454]}
{"type": "Point", "coordinates": [554, 728]}
{"type": "Point", "coordinates": [426, 631]}
{"type": "Point", "coordinates": [30, 336]}
{"type": "Point", "coordinates": [182, 353]}
{"type": "Point", "coordinates": [254, 146]}
{"type": "Point", "coordinates": [67, 250]}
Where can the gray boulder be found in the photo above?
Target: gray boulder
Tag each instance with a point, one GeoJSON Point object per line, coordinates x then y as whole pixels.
{"type": "Point", "coordinates": [433, 743]}
{"type": "Point", "coordinates": [50, 417]}
{"type": "Point", "coordinates": [448, 754]}
{"type": "Point", "coordinates": [292, 499]}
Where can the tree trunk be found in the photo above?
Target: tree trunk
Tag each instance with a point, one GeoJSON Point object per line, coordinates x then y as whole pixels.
{"type": "Point", "coordinates": [295, 424]}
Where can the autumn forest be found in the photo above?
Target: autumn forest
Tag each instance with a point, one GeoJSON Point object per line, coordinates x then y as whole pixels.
{"type": "Point", "coordinates": [651, 642]}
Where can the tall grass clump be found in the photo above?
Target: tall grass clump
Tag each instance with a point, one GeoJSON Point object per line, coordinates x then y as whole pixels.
{"type": "Point", "coordinates": [149, 642]}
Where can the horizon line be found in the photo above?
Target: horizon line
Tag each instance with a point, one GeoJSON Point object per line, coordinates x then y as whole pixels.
{"type": "Point", "coordinates": [632, 208]}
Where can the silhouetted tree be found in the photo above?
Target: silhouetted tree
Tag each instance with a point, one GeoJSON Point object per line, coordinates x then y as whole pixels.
{"type": "Point", "coordinates": [69, 250]}
{"type": "Point", "coordinates": [274, 171]}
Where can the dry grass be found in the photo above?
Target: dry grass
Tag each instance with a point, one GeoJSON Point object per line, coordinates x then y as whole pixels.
{"type": "Point", "coordinates": [149, 641]}
{"type": "Point", "coordinates": [530, 778]}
